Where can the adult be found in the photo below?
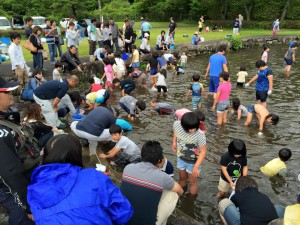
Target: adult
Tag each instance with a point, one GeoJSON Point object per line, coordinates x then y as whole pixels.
{"type": "Point", "coordinates": [50, 40]}
{"type": "Point", "coordinates": [13, 178]}
{"type": "Point", "coordinates": [28, 27]}
{"type": "Point", "coordinates": [38, 60]}
{"type": "Point", "coordinates": [275, 27]}
{"type": "Point", "coordinates": [74, 195]}
{"type": "Point", "coordinates": [160, 41]}
{"type": "Point", "coordinates": [128, 35]}
{"type": "Point", "coordinates": [99, 34]}
{"type": "Point", "coordinates": [217, 64]}
{"type": "Point", "coordinates": [57, 37]}
{"type": "Point", "coordinates": [34, 82]}
{"type": "Point", "coordinates": [70, 59]}
{"type": "Point", "coordinates": [145, 27]}
{"type": "Point", "coordinates": [18, 64]}
{"type": "Point", "coordinates": [95, 127]}
{"type": "Point", "coordinates": [158, 192]}
{"type": "Point", "coordinates": [254, 206]}
{"type": "Point", "coordinates": [236, 25]}
{"type": "Point", "coordinates": [195, 39]}
{"type": "Point", "coordinates": [49, 94]}
{"type": "Point", "coordinates": [114, 32]}
{"type": "Point", "coordinates": [201, 24]}
{"type": "Point", "coordinates": [72, 36]}
{"type": "Point", "coordinates": [172, 27]}
{"type": "Point", "coordinates": [290, 58]}
{"type": "Point", "coordinates": [142, 20]}
{"type": "Point", "coordinates": [145, 46]}
{"type": "Point", "coordinates": [101, 53]}
{"type": "Point", "coordinates": [71, 20]}
{"type": "Point", "coordinates": [92, 38]}
{"type": "Point", "coordinates": [241, 19]}
{"type": "Point", "coordinates": [106, 34]}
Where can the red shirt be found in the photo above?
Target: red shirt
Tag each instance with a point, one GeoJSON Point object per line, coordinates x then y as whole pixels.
{"type": "Point", "coordinates": [96, 87]}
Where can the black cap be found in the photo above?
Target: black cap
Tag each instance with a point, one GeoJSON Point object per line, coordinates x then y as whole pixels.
{"type": "Point", "coordinates": [8, 86]}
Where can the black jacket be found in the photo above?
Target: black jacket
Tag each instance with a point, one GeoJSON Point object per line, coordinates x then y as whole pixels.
{"type": "Point", "coordinates": [36, 43]}
{"type": "Point", "coordinates": [70, 58]}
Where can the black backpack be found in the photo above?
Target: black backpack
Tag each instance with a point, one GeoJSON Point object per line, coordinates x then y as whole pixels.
{"type": "Point", "coordinates": [86, 31]}
{"type": "Point", "coordinates": [29, 151]}
{"type": "Point", "coordinates": [134, 37]}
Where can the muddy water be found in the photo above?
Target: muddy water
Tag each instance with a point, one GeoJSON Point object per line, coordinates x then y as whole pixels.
{"type": "Point", "coordinates": [284, 101]}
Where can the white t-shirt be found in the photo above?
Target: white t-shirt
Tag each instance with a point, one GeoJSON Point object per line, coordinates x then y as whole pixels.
{"type": "Point", "coordinates": [161, 80]}
{"type": "Point", "coordinates": [264, 56]}
{"type": "Point", "coordinates": [119, 68]}
{"type": "Point", "coordinates": [167, 56]}
{"type": "Point", "coordinates": [128, 148]}
{"type": "Point", "coordinates": [242, 76]}
{"type": "Point", "coordinates": [183, 58]}
{"type": "Point", "coordinates": [56, 74]}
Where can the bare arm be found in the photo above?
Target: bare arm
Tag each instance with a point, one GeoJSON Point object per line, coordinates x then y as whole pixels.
{"type": "Point", "coordinates": [111, 153]}
{"type": "Point", "coordinates": [228, 178]}
{"type": "Point", "coordinates": [199, 161]}
{"type": "Point", "coordinates": [216, 99]}
{"type": "Point", "coordinates": [174, 145]}
{"type": "Point", "coordinates": [207, 70]}
{"type": "Point", "coordinates": [55, 103]}
{"type": "Point", "coordinates": [239, 114]}
{"type": "Point", "coordinates": [177, 188]}
{"type": "Point", "coordinates": [270, 78]}
{"type": "Point", "coordinates": [253, 79]}
{"type": "Point", "coordinates": [261, 122]}
{"type": "Point", "coordinates": [225, 68]}
{"type": "Point", "coordinates": [245, 170]}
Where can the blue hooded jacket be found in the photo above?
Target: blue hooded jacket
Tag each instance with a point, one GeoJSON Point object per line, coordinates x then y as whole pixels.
{"type": "Point", "coordinates": [65, 194]}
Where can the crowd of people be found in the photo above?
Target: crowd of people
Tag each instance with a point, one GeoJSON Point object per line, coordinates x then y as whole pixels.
{"type": "Point", "coordinates": [52, 185]}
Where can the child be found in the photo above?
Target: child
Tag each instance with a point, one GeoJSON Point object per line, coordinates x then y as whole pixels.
{"type": "Point", "coordinates": [162, 108]}
{"type": "Point", "coordinates": [161, 62]}
{"type": "Point", "coordinates": [264, 84]}
{"type": "Point", "coordinates": [190, 145]}
{"type": "Point", "coordinates": [161, 83]}
{"type": "Point", "coordinates": [180, 112]}
{"type": "Point", "coordinates": [167, 167]}
{"type": "Point", "coordinates": [207, 29]}
{"type": "Point", "coordinates": [178, 68]}
{"type": "Point", "coordinates": [221, 28]}
{"type": "Point", "coordinates": [100, 53]}
{"type": "Point", "coordinates": [214, 28]}
{"type": "Point", "coordinates": [263, 115]}
{"type": "Point", "coordinates": [183, 60]}
{"type": "Point", "coordinates": [135, 62]}
{"type": "Point", "coordinates": [95, 83]}
{"type": "Point", "coordinates": [34, 82]}
{"type": "Point", "coordinates": [265, 54]}
{"type": "Point", "coordinates": [153, 66]}
{"type": "Point", "coordinates": [42, 132]}
{"type": "Point", "coordinates": [277, 166]}
{"type": "Point", "coordinates": [197, 91]}
{"type": "Point", "coordinates": [233, 165]}
{"type": "Point", "coordinates": [238, 109]}
{"type": "Point", "coordinates": [109, 74]}
{"type": "Point", "coordinates": [58, 67]}
{"type": "Point", "coordinates": [139, 77]}
{"type": "Point", "coordinates": [95, 99]}
{"type": "Point", "coordinates": [125, 150]}
{"type": "Point", "coordinates": [132, 106]}
{"type": "Point", "coordinates": [241, 77]}
{"type": "Point", "coordinates": [290, 58]}
{"type": "Point", "coordinates": [127, 85]}
{"type": "Point", "coordinates": [222, 98]}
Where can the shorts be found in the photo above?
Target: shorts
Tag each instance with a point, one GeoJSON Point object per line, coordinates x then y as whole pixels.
{"type": "Point", "coordinates": [159, 87]}
{"type": "Point", "coordinates": [214, 84]}
{"type": "Point", "coordinates": [223, 186]}
{"type": "Point", "coordinates": [136, 65]}
{"type": "Point", "coordinates": [251, 109]}
{"type": "Point", "coordinates": [188, 167]}
{"type": "Point", "coordinates": [239, 84]}
{"type": "Point", "coordinates": [182, 64]}
{"type": "Point", "coordinates": [289, 62]}
{"type": "Point", "coordinates": [262, 95]}
{"type": "Point", "coordinates": [153, 71]}
{"type": "Point", "coordinates": [108, 83]}
{"type": "Point", "coordinates": [223, 106]}
{"type": "Point", "coordinates": [196, 100]}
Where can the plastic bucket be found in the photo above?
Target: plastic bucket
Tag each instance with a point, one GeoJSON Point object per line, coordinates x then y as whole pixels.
{"type": "Point", "coordinates": [124, 56]}
{"type": "Point", "coordinates": [5, 40]}
{"type": "Point", "coordinates": [172, 47]}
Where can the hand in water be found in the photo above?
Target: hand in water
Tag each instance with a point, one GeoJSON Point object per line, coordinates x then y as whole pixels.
{"type": "Point", "coordinates": [269, 92]}
{"type": "Point", "coordinates": [260, 133]}
{"type": "Point", "coordinates": [247, 85]}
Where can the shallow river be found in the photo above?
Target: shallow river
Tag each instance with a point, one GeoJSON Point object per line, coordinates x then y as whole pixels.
{"type": "Point", "coordinates": [284, 102]}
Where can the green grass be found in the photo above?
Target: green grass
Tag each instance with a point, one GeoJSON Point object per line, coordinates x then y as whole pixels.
{"type": "Point", "coordinates": [183, 28]}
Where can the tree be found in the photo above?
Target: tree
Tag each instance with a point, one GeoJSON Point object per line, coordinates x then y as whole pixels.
{"type": "Point", "coordinates": [248, 5]}
{"type": "Point", "coordinates": [285, 9]}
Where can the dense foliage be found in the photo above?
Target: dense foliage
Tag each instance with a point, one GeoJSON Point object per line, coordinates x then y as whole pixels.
{"type": "Point", "coordinates": [156, 10]}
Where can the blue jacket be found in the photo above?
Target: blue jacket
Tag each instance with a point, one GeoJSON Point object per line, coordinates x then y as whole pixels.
{"type": "Point", "coordinates": [65, 194]}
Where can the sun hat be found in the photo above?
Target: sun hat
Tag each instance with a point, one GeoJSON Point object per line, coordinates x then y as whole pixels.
{"type": "Point", "coordinates": [146, 35]}
{"type": "Point", "coordinates": [8, 86]}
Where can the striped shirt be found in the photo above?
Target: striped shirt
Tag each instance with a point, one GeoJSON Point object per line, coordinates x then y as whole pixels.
{"type": "Point", "coordinates": [49, 38]}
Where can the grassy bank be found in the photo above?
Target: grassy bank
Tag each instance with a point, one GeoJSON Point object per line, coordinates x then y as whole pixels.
{"type": "Point", "coordinates": [183, 28]}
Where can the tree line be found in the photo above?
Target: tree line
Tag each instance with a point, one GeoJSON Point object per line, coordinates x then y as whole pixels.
{"type": "Point", "coordinates": [156, 9]}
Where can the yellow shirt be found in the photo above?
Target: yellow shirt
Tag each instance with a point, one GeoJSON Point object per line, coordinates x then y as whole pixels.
{"type": "Point", "coordinates": [91, 97]}
{"type": "Point", "coordinates": [136, 55]}
{"type": "Point", "coordinates": [242, 76]}
{"type": "Point", "coordinates": [273, 167]}
{"type": "Point", "coordinates": [292, 215]}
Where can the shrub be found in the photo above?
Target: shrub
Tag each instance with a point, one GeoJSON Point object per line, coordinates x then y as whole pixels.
{"type": "Point", "coordinates": [236, 42]}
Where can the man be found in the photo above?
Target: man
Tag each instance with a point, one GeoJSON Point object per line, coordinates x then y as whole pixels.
{"type": "Point", "coordinates": [217, 64]}
{"type": "Point", "coordinates": [152, 193]}
{"type": "Point", "coordinates": [92, 38]}
{"type": "Point", "coordinates": [236, 25]}
{"type": "Point", "coordinates": [13, 178]}
{"type": "Point", "coordinates": [100, 53]}
{"type": "Point", "coordinates": [115, 32]}
{"type": "Point", "coordinates": [49, 94]}
{"type": "Point", "coordinates": [28, 27]}
{"type": "Point", "coordinates": [145, 28]}
{"type": "Point", "coordinates": [49, 35]}
{"type": "Point", "coordinates": [172, 27]}
{"type": "Point", "coordinates": [70, 60]}
{"type": "Point", "coordinates": [18, 63]}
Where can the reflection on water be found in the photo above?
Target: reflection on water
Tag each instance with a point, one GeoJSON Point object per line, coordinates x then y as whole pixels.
{"type": "Point", "coordinates": [284, 102]}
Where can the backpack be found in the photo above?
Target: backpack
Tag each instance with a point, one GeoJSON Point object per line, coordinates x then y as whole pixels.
{"type": "Point", "coordinates": [134, 37]}
{"type": "Point", "coordinates": [29, 151]}
{"type": "Point", "coordinates": [86, 32]}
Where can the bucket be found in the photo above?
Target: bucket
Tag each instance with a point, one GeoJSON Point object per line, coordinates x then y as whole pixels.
{"type": "Point", "coordinates": [172, 47]}
{"type": "Point", "coordinates": [4, 48]}
{"type": "Point", "coordinates": [5, 40]}
{"type": "Point", "coordinates": [124, 56]}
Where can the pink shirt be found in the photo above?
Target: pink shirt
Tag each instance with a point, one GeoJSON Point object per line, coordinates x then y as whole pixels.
{"type": "Point", "coordinates": [109, 73]}
{"type": "Point", "coordinates": [224, 90]}
{"type": "Point", "coordinates": [264, 56]}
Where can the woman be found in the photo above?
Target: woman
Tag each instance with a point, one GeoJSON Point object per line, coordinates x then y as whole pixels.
{"type": "Point", "coordinates": [106, 34]}
{"type": "Point", "coordinates": [145, 46]}
{"type": "Point", "coordinates": [61, 190]}
{"type": "Point", "coordinates": [195, 39]}
{"type": "Point", "coordinates": [35, 40]}
{"type": "Point", "coordinates": [128, 37]}
{"type": "Point", "coordinates": [201, 23]}
{"type": "Point", "coordinates": [99, 34]}
{"type": "Point", "coordinates": [275, 27]}
{"type": "Point", "coordinates": [73, 36]}
{"type": "Point", "coordinates": [160, 41]}
{"type": "Point", "coordinates": [57, 36]}
{"type": "Point", "coordinates": [34, 82]}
